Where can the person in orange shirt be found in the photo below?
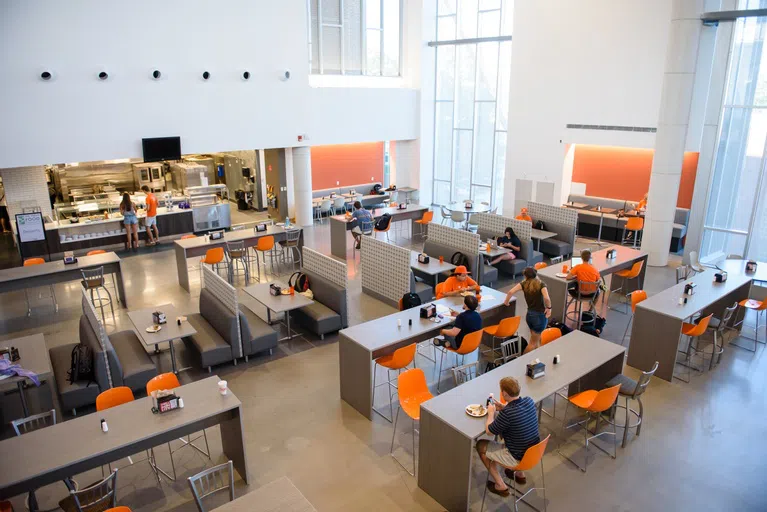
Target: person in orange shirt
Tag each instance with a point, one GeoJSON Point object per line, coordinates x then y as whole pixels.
{"type": "Point", "coordinates": [151, 218]}
{"type": "Point", "coordinates": [585, 273]}
{"type": "Point", "coordinates": [642, 204]}
{"type": "Point", "coordinates": [458, 282]}
{"type": "Point", "coordinates": [524, 216]}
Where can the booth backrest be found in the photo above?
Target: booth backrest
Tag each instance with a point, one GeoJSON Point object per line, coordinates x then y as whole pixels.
{"type": "Point", "coordinates": [89, 338]}
{"type": "Point", "coordinates": [564, 233]}
{"type": "Point", "coordinates": [325, 192]}
{"type": "Point", "coordinates": [604, 202]}
{"type": "Point", "coordinates": [362, 188]}
{"type": "Point", "coordinates": [218, 315]}
{"type": "Point", "coordinates": [682, 216]}
{"type": "Point", "coordinates": [436, 250]}
{"type": "Point", "coordinates": [328, 294]}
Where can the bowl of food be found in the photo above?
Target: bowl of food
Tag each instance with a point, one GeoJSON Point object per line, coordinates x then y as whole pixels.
{"type": "Point", "coordinates": [476, 410]}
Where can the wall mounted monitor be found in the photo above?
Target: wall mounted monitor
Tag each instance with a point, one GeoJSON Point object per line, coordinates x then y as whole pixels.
{"type": "Point", "coordinates": [161, 148]}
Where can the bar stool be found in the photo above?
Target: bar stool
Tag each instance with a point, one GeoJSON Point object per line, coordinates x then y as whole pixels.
{"type": "Point", "coordinates": [112, 275]}
{"type": "Point", "coordinates": [585, 291]}
{"type": "Point", "coordinates": [366, 226]}
{"type": "Point", "coordinates": [424, 221]}
{"type": "Point", "coordinates": [213, 257]}
{"type": "Point", "coordinates": [754, 305]}
{"type": "Point", "coordinates": [634, 225]}
{"type": "Point", "coordinates": [540, 265]}
{"type": "Point", "coordinates": [627, 275]}
{"type": "Point", "coordinates": [237, 264]}
{"type": "Point", "coordinates": [533, 457]}
{"type": "Point", "coordinates": [692, 331]}
{"type": "Point", "coordinates": [39, 261]}
{"type": "Point", "coordinates": [503, 331]}
{"type": "Point", "coordinates": [445, 214]}
{"type": "Point", "coordinates": [550, 334]}
{"type": "Point", "coordinates": [398, 361]}
{"type": "Point", "coordinates": [413, 391]}
{"type": "Point", "coordinates": [93, 281]}
{"type": "Point", "coordinates": [593, 403]}
{"type": "Point", "coordinates": [264, 245]}
{"type": "Point", "coordinates": [290, 248]}
{"type": "Point", "coordinates": [718, 326]}
{"type": "Point", "coordinates": [631, 389]}
{"type": "Point", "coordinates": [636, 297]}
{"type": "Point", "coordinates": [324, 208]}
{"type": "Point", "coordinates": [469, 344]}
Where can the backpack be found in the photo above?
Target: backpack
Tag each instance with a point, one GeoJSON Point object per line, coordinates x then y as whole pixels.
{"type": "Point", "coordinates": [595, 328]}
{"type": "Point", "coordinates": [559, 325]}
{"type": "Point", "coordinates": [383, 222]}
{"type": "Point", "coordinates": [539, 225]}
{"type": "Point", "coordinates": [81, 364]}
{"type": "Point", "coordinates": [458, 259]}
{"type": "Point", "coordinates": [301, 283]}
{"type": "Point", "coordinates": [410, 300]}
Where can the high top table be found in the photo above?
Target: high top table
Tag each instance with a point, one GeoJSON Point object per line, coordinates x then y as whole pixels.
{"type": "Point", "coordinates": [34, 357]}
{"type": "Point", "coordinates": [66, 449]}
{"type": "Point", "coordinates": [558, 286]}
{"type": "Point", "coordinates": [340, 224]}
{"type": "Point", "coordinates": [658, 320]}
{"type": "Point", "coordinates": [198, 246]}
{"type": "Point", "coordinates": [53, 272]}
{"type": "Point", "coordinates": [448, 434]}
{"type": "Point", "coordinates": [432, 269]}
{"type": "Point", "coordinates": [359, 345]}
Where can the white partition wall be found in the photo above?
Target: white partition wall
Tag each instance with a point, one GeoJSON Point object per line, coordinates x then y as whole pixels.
{"type": "Point", "coordinates": [497, 224]}
{"type": "Point", "coordinates": [98, 328]}
{"type": "Point", "coordinates": [385, 270]}
{"type": "Point", "coordinates": [227, 294]}
{"type": "Point", "coordinates": [464, 241]}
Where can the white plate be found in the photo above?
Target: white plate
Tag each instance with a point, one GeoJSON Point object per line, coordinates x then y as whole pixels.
{"type": "Point", "coordinates": [476, 415]}
{"type": "Point", "coordinates": [153, 328]}
{"type": "Point", "coordinates": [561, 274]}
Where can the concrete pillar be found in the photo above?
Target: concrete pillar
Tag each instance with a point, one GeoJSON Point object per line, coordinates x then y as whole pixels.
{"type": "Point", "coordinates": [673, 122]}
{"type": "Point", "coordinates": [302, 185]}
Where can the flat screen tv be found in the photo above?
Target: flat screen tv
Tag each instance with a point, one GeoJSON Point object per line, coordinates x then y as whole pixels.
{"type": "Point", "coordinates": [161, 148]}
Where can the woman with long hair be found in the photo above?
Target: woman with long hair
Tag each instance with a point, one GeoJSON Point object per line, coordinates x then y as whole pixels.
{"type": "Point", "coordinates": [510, 241]}
{"type": "Point", "coordinates": [538, 305]}
{"type": "Point", "coordinates": [128, 211]}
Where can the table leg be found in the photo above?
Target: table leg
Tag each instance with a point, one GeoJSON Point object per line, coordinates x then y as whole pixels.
{"type": "Point", "coordinates": [599, 235]}
{"type": "Point", "coordinates": [233, 443]}
{"type": "Point", "coordinates": [121, 285]}
{"type": "Point", "coordinates": [172, 357]}
{"type": "Point", "coordinates": [24, 405]}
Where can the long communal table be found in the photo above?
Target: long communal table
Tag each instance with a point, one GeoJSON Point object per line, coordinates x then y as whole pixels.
{"type": "Point", "coordinates": [278, 496]}
{"type": "Point", "coordinates": [340, 225]}
{"type": "Point", "coordinates": [558, 286]}
{"type": "Point", "coordinates": [448, 434]}
{"type": "Point", "coordinates": [359, 345]}
{"type": "Point", "coordinates": [658, 320]}
{"type": "Point", "coordinates": [198, 246]}
{"type": "Point", "coordinates": [66, 449]}
{"type": "Point", "coordinates": [54, 272]}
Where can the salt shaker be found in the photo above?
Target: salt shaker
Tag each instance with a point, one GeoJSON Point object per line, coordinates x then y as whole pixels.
{"type": "Point", "coordinates": [104, 426]}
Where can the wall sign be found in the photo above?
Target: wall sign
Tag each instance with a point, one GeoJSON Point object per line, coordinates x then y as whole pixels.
{"type": "Point", "coordinates": [30, 226]}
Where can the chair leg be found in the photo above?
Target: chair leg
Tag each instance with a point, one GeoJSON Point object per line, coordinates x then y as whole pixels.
{"type": "Point", "coordinates": [26, 296]}
{"type": "Point", "coordinates": [394, 433]}
{"type": "Point", "coordinates": [439, 375]}
{"type": "Point", "coordinates": [626, 426]}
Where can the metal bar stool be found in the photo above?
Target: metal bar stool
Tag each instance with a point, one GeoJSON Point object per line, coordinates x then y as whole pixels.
{"type": "Point", "coordinates": [93, 281]}
{"type": "Point", "coordinates": [692, 331]}
{"type": "Point", "coordinates": [237, 264]}
{"type": "Point", "coordinates": [758, 307]}
{"type": "Point", "coordinates": [264, 245]}
{"type": "Point", "coordinates": [626, 276]}
{"type": "Point", "coordinates": [367, 227]}
{"type": "Point", "coordinates": [584, 291]}
{"type": "Point", "coordinates": [39, 261]}
{"type": "Point", "coordinates": [290, 248]}
{"type": "Point", "coordinates": [112, 275]}
{"type": "Point", "coordinates": [633, 390]}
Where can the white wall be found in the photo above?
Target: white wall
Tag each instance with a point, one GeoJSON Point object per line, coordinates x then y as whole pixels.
{"type": "Point", "coordinates": [586, 62]}
{"type": "Point", "coordinates": [24, 188]}
{"type": "Point", "coordinates": [76, 117]}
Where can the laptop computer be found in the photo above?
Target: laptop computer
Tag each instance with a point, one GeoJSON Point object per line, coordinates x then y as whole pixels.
{"type": "Point", "coordinates": [575, 261]}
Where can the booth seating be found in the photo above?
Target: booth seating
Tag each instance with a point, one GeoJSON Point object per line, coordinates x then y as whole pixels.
{"type": "Point", "coordinates": [613, 226]}
{"type": "Point", "coordinates": [481, 273]}
{"type": "Point", "coordinates": [129, 363]}
{"type": "Point", "coordinates": [368, 200]}
{"type": "Point", "coordinates": [329, 312]}
{"type": "Point", "coordinates": [423, 290]}
{"type": "Point", "coordinates": [560, 245]}
{"type": "Point", "coordinates": [257, 336]}
{"type": "Point", "coordinates": [528, 256]}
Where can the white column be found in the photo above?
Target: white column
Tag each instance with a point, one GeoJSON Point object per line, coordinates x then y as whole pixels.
{"type": "Point", "coordinates": [25, 187]}
{"type": "Point", "coordinates": [302, 185]}
{"type": "Point", "coordinates": [673, 122]}
{"type": "Point", "coordinates": [408, 156]}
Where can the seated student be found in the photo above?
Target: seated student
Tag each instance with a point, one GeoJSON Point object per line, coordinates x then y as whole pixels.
{"type": "Point", "coordinates": [642, 205]}
{"type": "Point", "coordinates": [467, 322]}
{"type": "Point", "coordinates": [517, 423]}
{"type": "Point", "coordinates": [585, 273]}
{"type": "Point", "coordinates": [457, 283]}
{"type": "Point", "coordinates": [524, 216]}
{"type": "Point", "coordinates": [360, 215]}
{"type": "Point", "coordinates": [511, 241]}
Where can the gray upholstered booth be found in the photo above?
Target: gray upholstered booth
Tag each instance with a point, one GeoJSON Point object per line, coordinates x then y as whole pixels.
{"type": "Point", "coordinates": [423, 290]}
{"type": "Point", "coordinates": [368, 200]}
{"type": "Point", "coordinates": [560, 245]}
{"type": "Point", "coordinates": [217, 337]}
{"type": "Point", "coordinates": [328, 313]}
{"type": "Point", "coordinates": [257, 335]}
{"type": "Point", "coordinates": [528, 256]}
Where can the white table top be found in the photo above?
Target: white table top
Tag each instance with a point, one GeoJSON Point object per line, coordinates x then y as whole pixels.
{"type": "Point", "coordinates": [34, 357]}
{"type": "Point", "coordinates": [142, 318]}
{"type": "Point", "coordinates": [432, 268]}
{"type": "Point", "coordinates": [494, 250]}
{"type": "Point", "coordinates": [233, 236]}
{"type": "Point", "coordinates": [278, 496]}
{"type": "Point", "coordinates": [279, 303]}
{"type": "Point", "coordinates": [541, 234]}
{"type": "Point", "coordinates": [475, 208]}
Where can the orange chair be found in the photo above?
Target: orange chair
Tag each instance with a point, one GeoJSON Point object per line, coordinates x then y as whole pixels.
{"type": "Point", "coordinates": [413, 391]}
{"type": "Point", "coordinates": [428, 216]}
{"type": "Point", "coordinates": [95, 252]}
{"type": "Point", "coordinates": [187, 237]}
{"type": "Point", "coordinates": [118, 509]}
{"type": "Point", "coordinates": [469, 344]}
{"type": "Point", "coordinates": [213, 257]}
{"type": "Point", "coordinates": [39, 261]}
{"type": "Point", "coordinates": [503, 331]}
{"type": "Point", "coordinates": [540, 265]}
{"type": "Point", "coordinates": [439, 289]}
{"type": "Point", "coordinates": [550, 334]}
{"type": "Point", "coordinates": [264, 244]}
{"type": "Point", "coordinates": [626, 276]}
{"type": "Point", "coordinates": [398, 361]}
{"type": "Point", "coordinates": [754, 305]}
{"type": "Point", "coordinates": [692, 331]}
{"type": "Point", "coordinates": [634, 225]}
{"type": "Point", "coordinates": [533, 456]}
{"type": "Point", "coordinates": [594, 403]}
{"type": "Point", "coordinates": [635, 298]}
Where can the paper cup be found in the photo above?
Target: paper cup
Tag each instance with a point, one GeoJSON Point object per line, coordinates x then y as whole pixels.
{"type": "Point", "coordinates": [222, 388]}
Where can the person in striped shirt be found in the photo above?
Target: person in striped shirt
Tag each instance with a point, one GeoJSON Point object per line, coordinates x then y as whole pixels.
{"type": "Point", "coordinates": [517, 423]}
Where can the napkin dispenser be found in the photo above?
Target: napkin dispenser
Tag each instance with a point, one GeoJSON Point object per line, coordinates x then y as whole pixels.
{"type": "Point", "coordinates": [689, 288]}
{"type": "Point", "coordinates": [750, 266]}
{"type": "Point", "coordinates": [158, 317]}
{"type": "Point", "coordinates": [536, 370]}
{"type": "Point", "coordinates": [217, 235]}
{"type": "Point", "coordinates": [468, 205]}
{"type": "Point", "coordinates": [260, 228]}
{"type": "Point", "coordinates": [720, 277]}
{"type": "Point", "coordinates": [429, 311]}
{"type": "Point", "coordinates": [164, 401]}
{"type": "Point", "coordinates": [69, 258]}
{"type": "Point", "coordinates": [274, 290]}
{"type": "Point", "coordinates": [423, 258]}
{"type": "Point", "coordinates": [402, 206]}
{"type": "Point", "coordinates": [612, 254]}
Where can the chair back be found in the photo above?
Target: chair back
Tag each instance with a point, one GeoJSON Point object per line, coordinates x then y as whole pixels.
{"type": "Point", "coordinates": [550, 334]}
{"type": "Point", "coordinates": [637, 296]}
{"type": "Point", "coordinates": [511, 349]}
{"type": "Point", "coordinates": [508, 327]}
{"type": "Point", "coordinates": [634, 224]}
{"type": "Point", "coordinates": [605, 399]}
{"type": "Point", "coordinates": [533, 456]}
{"type": "Point", "coordinates": [367, 226]}
{"type": "Point", "coordinates": [325, 206]}
{"type": "Point", "coordinates": [265, 243]}
{"type": "Point", "coordinates": [33, 261]}
{"type": "Point", "coordinates": [695, 262]}
{"type": "Point", "coordinates": [214, 255]}
{"type": "Point", "coordinates": [540, 265]}
{"type": "Point", "coordinates": [187, 237]}
{"type": "Point", "coordinates": [473, 222]}
{"type": "Point", "coordinates": [211, 481]}
{"type": "Point", "coordinates": [588, 288]}
{"type": "Point", "coordinates": [235, 249]}
{"type": "Point", "coordinates": [292, 236]}
{"type": "Point", "coordinates": [162, 381]}
{"type": "Point", "coordinates": [682, 273]}
{"type": "Point", "coordinates": [113, 397]}
{"type": "Point", "coordinates": [445, 212]}
{"type": "Point", "coordinates": [339, 202]}
{"type": "Point", "coordinates": [457, 216]}
{"type": "Point", "coordinates": [93, 277]}
{"type": "Point", "coordinates": [734, 256]}
{"type": "Point", "coordinates": [403, 356]}
{"type": "Point", "coordinates": [411, 383]}
{"type": "Point", "coordinates": [439, 289]}
{"type": "Point", "coordinates": [470, 342]}
{"type": "Point", "coordinates": [644, 380]}
{"type": "Point", "coordinates": [428, 216]}
{"type": "Point", "coordinates": [465, 373]}
{"type": "Point", "coordinates": [95, 252]}
{"type": "Point", "coordinates": [727, 315]}
{"type": "Point", "coordinates": [701, 327]}
{"type": "Point", "coordinates": [31, 423]}
{"type": "Point", "coordinates": [635, 270]}
{"type": "Point", "coordinates": [99, 496]}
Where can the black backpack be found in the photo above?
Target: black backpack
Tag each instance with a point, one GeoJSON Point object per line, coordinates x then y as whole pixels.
{"type": "Point", "coordinates": [458, 259]}
{"type": "Point", "coordinates": [410, 300]}
{"type": "Point", "coordinates": [595, 325]}
{"type": "Point", "coordinates": [299, 281]}
{"type": "Point", "coordinates": [383, 222]}
{"type": "Point", "coordinates": [539, 225]}
{"type": "Point", "coordinates": [81, 364]}
{"type": "Point", "coordinates": [559, 325]}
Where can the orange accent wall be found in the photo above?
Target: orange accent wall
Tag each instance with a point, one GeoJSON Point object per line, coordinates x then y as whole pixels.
{"type": "Point", "coordinates": [624, 173]}
{"type": "Point", "coordinates": [350, 164]}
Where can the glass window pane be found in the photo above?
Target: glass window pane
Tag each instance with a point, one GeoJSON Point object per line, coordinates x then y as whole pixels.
{"type": "Point", "coordinates": [504, 70]}
{"type": "Point", "coordinates": [373, 13]}
{"type": "Point", "coordinates": [314, 42]}
{"type": "Point", "coordinates": [480, 194]}
{"type": "Point", "coordinates": [445, 72]}
{"type": "Point", "coordinates": [487, 5]}
{"type": "Point", "coordinates": [747, 80]}
{"type": "Point", "coordinates": [331, 11]}
{"type": "Point", "coordinates": [467, 19]}
{"type": "Point", "coordinates": [442, 192]}
{"type": "Point", "coordinates": [487, 71]}
{"type": "Point", "coordinates": [467, 56]}
{"type": "Point", "coordinates": [443, 140]}
{"type": "Point", "coordinates": [352, 37]}
{"type": "Point", "coordinates": [507, 17]}
{"type": "Point", "coordinates": [446, 28]}
{"type": "Point", "coordinates": [717, 245]}
{"type": "Point", "coordinates": [446, 7]}
{"type": "Point", "coordinates": [391, 38]}
{"type": "Point", "coordinates": [500, 170]}
{"type": "Point", "coordinates": [489, 23]}
{"type": "Point", "coordinates": [373, 46]}
{"type": "Point", "coordinates": [331, 49]}
{"type": "Point", "coordinates": [484, 137]}
{"type": "Point", "coordinates": [462, 162]}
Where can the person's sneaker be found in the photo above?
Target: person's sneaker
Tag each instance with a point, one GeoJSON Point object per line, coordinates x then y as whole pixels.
{"type": "Point", "coordinates": [357, 247]}
{"type": "Point", "coordinates": [519, 477]}
{"type": "Point", "coordinates": [491, 487]}
{"type": "Point", "coordinates": [439, 341]}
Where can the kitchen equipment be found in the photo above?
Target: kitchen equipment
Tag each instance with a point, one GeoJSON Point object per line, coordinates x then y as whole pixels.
{"type": "Point", "coordinates": [150, 175]}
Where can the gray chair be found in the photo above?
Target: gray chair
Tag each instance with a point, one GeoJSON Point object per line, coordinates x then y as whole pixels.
{"type": "Point", "coordinates": [367, 227]}
{"type": "Point", "coordinates": [718, 326]}
{"type": "Point", "coordinates": [236, 256]}
{"type": "Point", "coordinates": [95, 498]}
{"type": "Point", "coordinates": [465, 372]}
{"type": "Point", "coordinates": [682, 273]}
{"type": "Point", "coordinates": [445, 214]}
{"type": "Point", "coordinates": [631, 390]}
{"type": "Point", "coordinates": [211, 481]}
{"type": "Point", "coordinates": [93, 281]}
{"type": "Point", "coordinates": [290, 248]}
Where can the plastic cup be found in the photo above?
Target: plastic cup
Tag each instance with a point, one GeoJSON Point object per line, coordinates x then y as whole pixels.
{"type": "Point", "coordinates": [565, 269]}
{"type": "Point", "coordinates": [222, 387]}
{"type": "Point", "coordinates": [442, 259]}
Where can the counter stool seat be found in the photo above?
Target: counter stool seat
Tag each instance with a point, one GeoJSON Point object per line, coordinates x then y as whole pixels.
{"type": "Point", "coordinates": [631, 389]}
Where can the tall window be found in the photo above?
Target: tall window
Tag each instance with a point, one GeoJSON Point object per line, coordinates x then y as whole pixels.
{"type": "Point", "coordinates": [471, 99]}
{"type": "Point", "coordinates": [736, 217]}
{"type": "Point", "coordinates": [355, 37]}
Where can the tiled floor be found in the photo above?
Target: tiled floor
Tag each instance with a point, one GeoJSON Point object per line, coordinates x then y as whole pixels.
{"type": "Point", "coordinates": [701, 447]}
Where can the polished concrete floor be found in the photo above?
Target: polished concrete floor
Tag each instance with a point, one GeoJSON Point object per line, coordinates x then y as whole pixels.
{"type": "Point", "coordinates": [701, 447]}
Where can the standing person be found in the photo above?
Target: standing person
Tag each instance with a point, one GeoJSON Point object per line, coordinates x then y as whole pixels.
{"type": "Point", "coordinates": [360, 215]}
{"type": "Point", "coordinates": [523, 215]}
{"type": "Point", "coordinates": [510, 240]}
{"type": "Point", "coordinates": [538, 305]}
{"type": "Point", "coordinates": [151, 217]}
{"type": "Point", "coordinates": [517, 423]}
{"type": "Point", "coordinates": [128, 211]}
{"type": "Point", "coordinates": [467, 322]}
{"type": "Point", "coordinates": [585, 273]}
{"type": "Point", "coordinates": [458, 283]}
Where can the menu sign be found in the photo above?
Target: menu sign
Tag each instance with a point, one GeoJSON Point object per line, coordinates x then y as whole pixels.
{"type": "Point", "coordinates": [30, 226]}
